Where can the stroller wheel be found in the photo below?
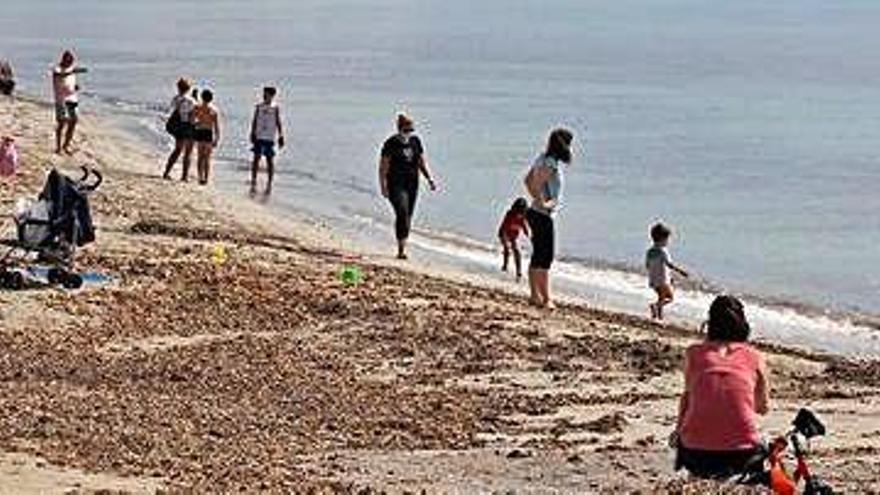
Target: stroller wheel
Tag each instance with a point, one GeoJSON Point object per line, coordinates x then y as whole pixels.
{"type": "Point", "coordinates": [55, 276]}
{"type": "Point", "coordinates": [72, 281]}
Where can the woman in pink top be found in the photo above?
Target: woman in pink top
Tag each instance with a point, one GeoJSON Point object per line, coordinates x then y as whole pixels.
{"type": "Point", "coordinates": [726, 388]}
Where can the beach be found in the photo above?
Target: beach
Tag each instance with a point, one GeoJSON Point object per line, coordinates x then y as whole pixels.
{"type": "Point", "coordinates": [262, 371]}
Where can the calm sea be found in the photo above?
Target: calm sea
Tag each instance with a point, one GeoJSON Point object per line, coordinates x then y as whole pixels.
{"type": "Point", "coordinates": [749, 126]}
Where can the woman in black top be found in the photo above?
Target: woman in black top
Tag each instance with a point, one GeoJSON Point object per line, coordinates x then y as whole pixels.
{"type": "Point", "coordinates": [403, 158]}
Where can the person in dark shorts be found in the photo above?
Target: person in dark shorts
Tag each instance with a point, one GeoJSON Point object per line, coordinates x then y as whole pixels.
{"type": "Point", "coordinates": [206, 133]}
{"type": "Point", "coordinates": [726, 389]}
{"type": "Point", "coordinates": [266, 130]}
{"type": "Point", "coordinates": [403, 159]}
{"type": "Point", "coordinates": [66, 91]}
{"type": "Point", "coordinates": [544, 184]}
{"type": "Point", "coordinates": [181, 128]}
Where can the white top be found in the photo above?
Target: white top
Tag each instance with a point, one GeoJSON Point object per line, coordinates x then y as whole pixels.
{"type": "Point", "coordinates": [64, 84]}
{"type": "Point", "coordinates": [553, 186]}
{"type": "Point", "coordinates": [266, 127]}
{"type": "Point", "coordinates": [657, 262]}
{"type": "Point", "coordinates": [184, 105]}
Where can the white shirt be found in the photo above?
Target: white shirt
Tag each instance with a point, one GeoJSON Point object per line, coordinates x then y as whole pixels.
{"type": "Point", "coordinates": [64, 85]}
{"type": "Point", "coordinates": [266, 126]}
{"type": "Point", "coordinates": [184, 105]}
{"type": "Point", "coordinates": [657, 262]}
{"type": "Point", "coordinates": [553, 186]}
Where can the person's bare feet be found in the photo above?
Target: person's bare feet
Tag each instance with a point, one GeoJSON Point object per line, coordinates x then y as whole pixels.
{"type": "Point", "coordinates": [549, 305]}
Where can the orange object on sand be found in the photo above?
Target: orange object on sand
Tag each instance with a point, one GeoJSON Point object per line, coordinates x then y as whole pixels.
{"type": "Point", "coordinates": [780, 483]}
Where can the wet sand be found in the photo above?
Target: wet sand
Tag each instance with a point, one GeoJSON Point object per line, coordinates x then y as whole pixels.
{"type": "Point", "coordinates": [267, 373]}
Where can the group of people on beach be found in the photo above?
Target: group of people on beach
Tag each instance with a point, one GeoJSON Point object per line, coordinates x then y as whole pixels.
{"type": "Point", "coordinates": [194, 122]}
{"type": "Point", "coordinates": [726, 379]}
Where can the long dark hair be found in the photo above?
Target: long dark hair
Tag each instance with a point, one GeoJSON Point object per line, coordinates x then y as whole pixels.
{"type": "Point", "coordinates": [559, 145]}
{"type": "Point", "coordinates": [727, 320]}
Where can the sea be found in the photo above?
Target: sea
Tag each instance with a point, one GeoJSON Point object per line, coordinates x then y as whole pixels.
{"type": "Point", "coordinates": [750, 127]}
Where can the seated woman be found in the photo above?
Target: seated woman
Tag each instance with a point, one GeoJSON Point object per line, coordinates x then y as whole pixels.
{"type": "Point", "coordinates": [726, 388]}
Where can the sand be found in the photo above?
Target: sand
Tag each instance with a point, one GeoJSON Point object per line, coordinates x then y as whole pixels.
{"type": "Point", "coordinates": [267, 373]}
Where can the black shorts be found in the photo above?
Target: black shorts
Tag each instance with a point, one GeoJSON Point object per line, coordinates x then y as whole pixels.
{"type": "Point", "coordinates": [543, 249]}
{"type": "Point", "coordinates": [7, 86]}
{"type": "Point", "coordinates": [203, 135]}
{"type": "Point", "coordinates": [709, 464]}
{"type": "Point", "coordinates": [184, 130]}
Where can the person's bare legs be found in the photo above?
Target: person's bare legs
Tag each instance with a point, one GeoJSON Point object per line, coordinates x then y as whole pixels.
{"type": "Point", "coordinates": [59, 131]}
{"type": "Point", "coordinates": [68, 137]}
{"type": "Point", "coordinates": [255, 167]}
{"type": "Point", "coordinates": [270, 171]}
{"type": "Point", "coordinates": [188, 145]}
{"type": "Point", "coordinates": [506, 254]}
{"type": "Point", "coordinates": [172, 158]}
{"type": "Point", "coordinates": [664, 297]}
{"type": "Point", "coordinates": [542, 284]}
{"type": "Point", "coordinates": [209, 150]}
{"type": "Point", "coordinates": [517, 260]}
{"type": "Point", "coordinates": [200, 161]}
{"type": "Point", "coordinates": [535, 297]}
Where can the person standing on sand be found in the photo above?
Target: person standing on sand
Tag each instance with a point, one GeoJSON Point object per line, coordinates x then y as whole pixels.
{"type": "Point", "coordinates": [659, 263]}
{"type": "Point", "coordinates": [181, 128]}
{"type": "Point", "coordinates": [726, 388]}
{"type": "Point", "coordinates": [7, 78]}
{"type": "Point", "coordinates": [66, 90]}
{"type": "Point", "coordinates": [403, 159]}
{"type": "Point", "coordinates": [265, 130]}
{"type": "Point", "coordinates": [206, 133]}
{"type": "Point", "coordinates": [544, 184]}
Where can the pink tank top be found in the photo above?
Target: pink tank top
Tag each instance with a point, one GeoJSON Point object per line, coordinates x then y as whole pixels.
{"type": "Point", "coordinates": [720, 413]}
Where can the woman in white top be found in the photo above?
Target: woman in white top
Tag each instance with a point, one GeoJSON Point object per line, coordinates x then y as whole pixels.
{"type": "Point", "coordinates": [180, 126]}
{"type": "Point", "coordinates": [265, 130]}
{"type": "Point", "coordinates": [544, 184]}
{"type": "Point", "coordinates": [65, 88]}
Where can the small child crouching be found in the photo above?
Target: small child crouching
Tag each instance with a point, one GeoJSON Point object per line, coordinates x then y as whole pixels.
{"type": "Point", "coordinates": [514, 222]}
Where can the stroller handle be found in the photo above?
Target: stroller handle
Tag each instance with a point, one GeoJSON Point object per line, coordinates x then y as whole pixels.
{"type": "Point", "coordinates": [87, 171]}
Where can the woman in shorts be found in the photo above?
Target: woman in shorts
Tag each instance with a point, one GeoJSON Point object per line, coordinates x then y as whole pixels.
{"type": "Point", "coordinates": [181, 128]}
{"type": "Point", "coordinates": [206, 134]}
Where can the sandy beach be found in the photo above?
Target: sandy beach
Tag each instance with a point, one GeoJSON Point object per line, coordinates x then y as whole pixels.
{"type": "Point", "coordinates": [265, 373]}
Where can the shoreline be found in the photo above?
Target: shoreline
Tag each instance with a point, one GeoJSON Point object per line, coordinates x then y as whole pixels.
{"type": "Point", "coordinates": [852, 332]}
{"type": "Point", "coordinates": [268, 373]}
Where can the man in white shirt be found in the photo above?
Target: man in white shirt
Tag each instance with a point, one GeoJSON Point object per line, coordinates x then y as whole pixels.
{"type": "Point", "coordinates": [265, 130]}
{"type": "Point", "coordinates": [65, 88]}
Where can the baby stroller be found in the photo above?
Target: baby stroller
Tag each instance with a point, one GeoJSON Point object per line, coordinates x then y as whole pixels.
{"type": "Point", "coordinates": [53, 227]}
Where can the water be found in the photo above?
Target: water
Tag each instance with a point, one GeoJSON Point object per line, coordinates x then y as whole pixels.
{"type": "Point", "coordinates": [747, 126]}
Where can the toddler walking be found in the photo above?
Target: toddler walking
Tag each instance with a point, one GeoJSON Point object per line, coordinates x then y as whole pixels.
{"type": "Point", "coordinates": [659, 264]}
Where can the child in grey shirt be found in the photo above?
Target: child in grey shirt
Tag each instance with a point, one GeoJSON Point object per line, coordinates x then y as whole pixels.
{"type": "Point", "coordinates": [659, 264]}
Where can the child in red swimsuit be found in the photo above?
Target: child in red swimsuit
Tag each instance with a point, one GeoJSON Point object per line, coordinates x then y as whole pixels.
{"type": "Point", "coordinates": [514, 222]}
